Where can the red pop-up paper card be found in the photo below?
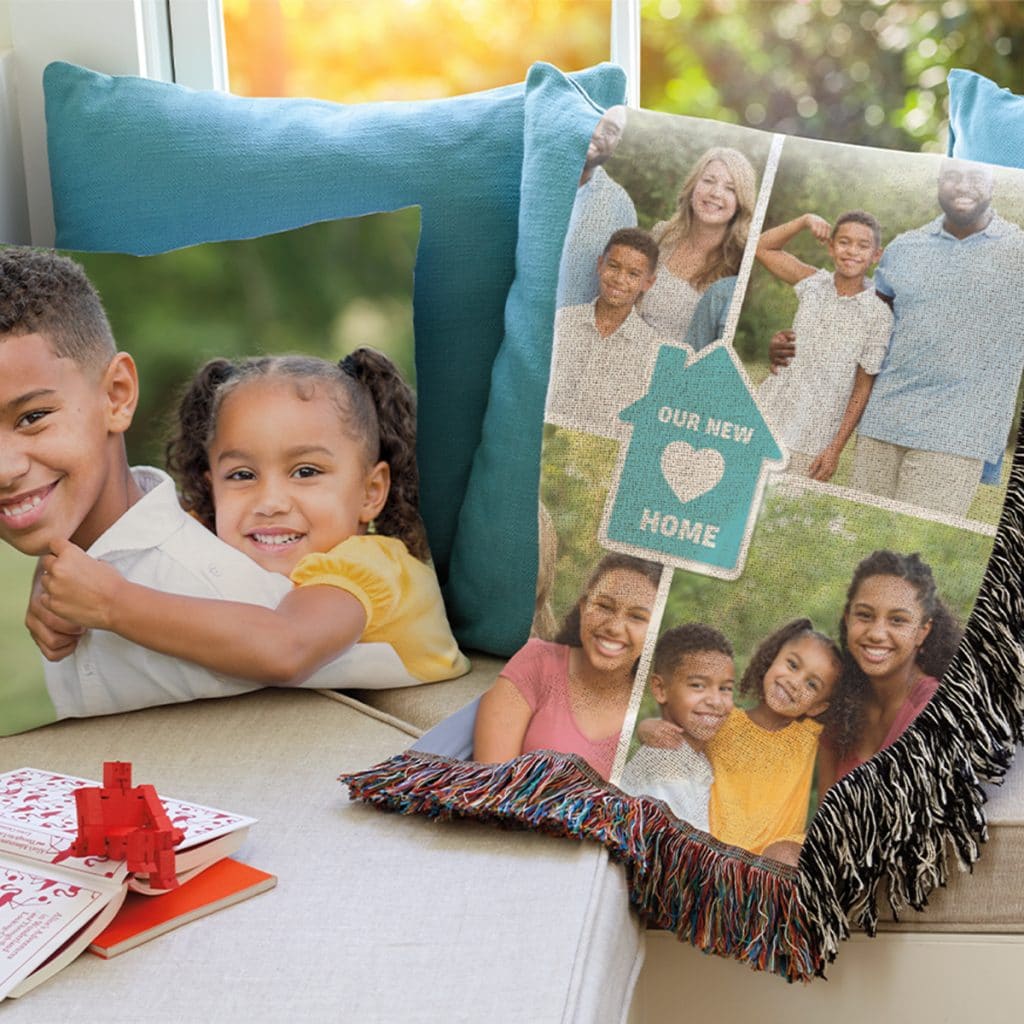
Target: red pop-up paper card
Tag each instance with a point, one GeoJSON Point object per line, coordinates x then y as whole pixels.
{"type": "Point", "coordinates": [128, 823]}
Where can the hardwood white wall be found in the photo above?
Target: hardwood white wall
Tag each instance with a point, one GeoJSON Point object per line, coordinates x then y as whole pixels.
{"type": "Point", "coordinates": [118, 37]}
{"type": "Point", "coordinates": [107, 36]}
{"type": "Point", "coordinates": [14, 225]}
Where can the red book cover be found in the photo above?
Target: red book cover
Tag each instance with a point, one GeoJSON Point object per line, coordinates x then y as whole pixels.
{"type": "Point", "coordinates": [145, 917]}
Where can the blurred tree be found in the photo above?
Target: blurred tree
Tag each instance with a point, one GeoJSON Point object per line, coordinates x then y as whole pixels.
{"type": "Point", "coordinates": [416, 49]}
{"type": "Point", "coordinates": [852, 70]}
{"type": "Point", "coordinates": [870, 72]}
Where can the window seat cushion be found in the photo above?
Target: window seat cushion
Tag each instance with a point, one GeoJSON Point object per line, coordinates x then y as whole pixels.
{"type": "Point", "coordinates": [374, 918]}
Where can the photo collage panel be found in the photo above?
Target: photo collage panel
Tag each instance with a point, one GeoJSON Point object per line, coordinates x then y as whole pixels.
{"type": "Point", "coordinates": [784, 392]}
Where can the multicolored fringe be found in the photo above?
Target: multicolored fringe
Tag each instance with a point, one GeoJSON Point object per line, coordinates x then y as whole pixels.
{"type": "Point", "coordinates": [890, 822]}
{"type": "Point", "coordinates": [716, 897]}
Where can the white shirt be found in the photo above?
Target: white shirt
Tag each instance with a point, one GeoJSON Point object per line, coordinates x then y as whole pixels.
{"type": "Point", "coordinates": [159, 545]}
{"type": "Point", "coordinates": [835, 334]}
{"type": "Point", "coordinates": [681, 777]}
{"type": "Point", "coordinates": [593, 378]}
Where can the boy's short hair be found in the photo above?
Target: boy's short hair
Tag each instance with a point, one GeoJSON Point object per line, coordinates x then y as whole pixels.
{"type": "Point", "coordinates": [42, 292]}
{"type": "Point", "coordinates": [691, 638]}
{"type": "Point", "coordinates": [860, 217]}
{"type": "Point", "coordinates": [636, 238]}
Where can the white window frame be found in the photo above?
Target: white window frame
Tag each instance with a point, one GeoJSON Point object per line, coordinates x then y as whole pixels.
{"type": "Point", "coordinates": [625, 39]}
{"type": "Point", "coordinates": [198, 47]}
{"type": "Point", "coordinates": [169, 40]}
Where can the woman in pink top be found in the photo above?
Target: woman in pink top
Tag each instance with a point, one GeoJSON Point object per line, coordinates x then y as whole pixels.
{"type": "Point", "coordinates": [571, 695]}
{"type": "Point", "coordinates": [897, 638]}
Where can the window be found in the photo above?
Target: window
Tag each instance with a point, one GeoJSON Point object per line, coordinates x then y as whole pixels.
{"type": "Point", "coordinates": [405, 49]}
{"type": "Point", "coordinates": [870, 71]}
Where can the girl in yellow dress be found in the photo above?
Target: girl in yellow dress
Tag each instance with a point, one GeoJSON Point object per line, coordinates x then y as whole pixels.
{"type": "Point", "coordinates": [763, 757]}
{"type": "Point", "coordinates": [308, 467]}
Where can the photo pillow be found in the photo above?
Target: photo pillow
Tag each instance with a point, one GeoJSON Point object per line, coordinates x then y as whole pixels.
{"type": "Point", "coordinates": [290, 473]}
{"type": "Point", "coordinates": [775, 645]}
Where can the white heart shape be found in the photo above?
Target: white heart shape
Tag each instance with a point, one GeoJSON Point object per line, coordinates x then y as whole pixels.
{"type": "Point", "coordinates": [689, 471]}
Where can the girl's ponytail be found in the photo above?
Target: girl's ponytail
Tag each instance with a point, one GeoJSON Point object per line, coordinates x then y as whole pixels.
{"type": "Point", "coordinates": [395, 406]}
{"type": "Point", "coordinates": [186, 451]}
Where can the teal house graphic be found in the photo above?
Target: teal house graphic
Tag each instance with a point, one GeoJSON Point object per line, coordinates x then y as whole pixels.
{"type": "Point", "coordinates": [692, 476]}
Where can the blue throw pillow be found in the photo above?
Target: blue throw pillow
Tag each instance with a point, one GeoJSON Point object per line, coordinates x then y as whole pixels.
{"type": "Point", "coordinates": [142, 167]}
{"type": "Point", "coordinates": [491, 586]}
{"type": "Point", "coordinates": [985, 122]}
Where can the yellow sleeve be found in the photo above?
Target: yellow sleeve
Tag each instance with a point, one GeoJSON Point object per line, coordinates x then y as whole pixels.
{"type": "Point", "coordinates": [368, 570]}
{"type": "Point", "coordinates": [401, 597]}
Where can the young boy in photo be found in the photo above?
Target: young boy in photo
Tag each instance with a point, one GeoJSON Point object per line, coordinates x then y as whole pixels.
{"type": "Point", "coordinates": [603, 352]}
{"type": "Point", "coordinates": [67, 397]}
{"type": "Point", "coordinates": [840, 332]}
{"type": "Point", "coordinates": [692, 680]}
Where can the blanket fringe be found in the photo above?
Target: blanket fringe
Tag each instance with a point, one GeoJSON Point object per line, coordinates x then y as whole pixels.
{"type": "Point", "coordinates": [720, 899]}
{"type": "Point", "coordinates": [887, 826]}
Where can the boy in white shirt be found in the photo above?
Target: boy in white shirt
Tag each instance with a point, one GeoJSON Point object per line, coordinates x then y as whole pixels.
{"type": "Point", "coordinates": [692, 679]}
{"type": "Point", "coordinates": [841, 334]}
{"type": "Point", "coordinates": [603, 352]}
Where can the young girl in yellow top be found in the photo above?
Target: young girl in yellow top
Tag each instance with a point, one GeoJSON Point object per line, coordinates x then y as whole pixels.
{"type": "Point", "coordinates": [309, 468]}
{"type": "Point", "coordinates": [763, 758]}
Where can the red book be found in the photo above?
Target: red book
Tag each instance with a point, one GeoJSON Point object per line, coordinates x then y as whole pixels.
{"type": "Point", "coordinates": [142, 918]}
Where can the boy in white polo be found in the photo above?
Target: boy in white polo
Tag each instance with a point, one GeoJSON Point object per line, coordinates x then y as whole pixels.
{"type": "Point", "coordinates": [841, 331]}
{"type": "Point", "coordinates": [692, 679]}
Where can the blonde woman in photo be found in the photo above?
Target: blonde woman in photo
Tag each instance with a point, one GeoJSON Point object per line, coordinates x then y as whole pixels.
{"type": "Point", "coordinates": [703, 241]}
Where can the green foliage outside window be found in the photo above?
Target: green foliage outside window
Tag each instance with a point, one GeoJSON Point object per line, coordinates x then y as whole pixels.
{"type": "Point", "coordinates": [871, 72]}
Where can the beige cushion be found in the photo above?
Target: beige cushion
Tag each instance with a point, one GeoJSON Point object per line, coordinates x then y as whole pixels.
{"type": "Point", "coordinates": [991, 899]}
{"type": "Point", "coordinates": [426, 705]}
{"type": "Point", "coordinates": [376, 917]}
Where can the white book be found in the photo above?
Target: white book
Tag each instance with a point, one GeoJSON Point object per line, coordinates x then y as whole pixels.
{"type": "Point", "coordinates": [52, 904]}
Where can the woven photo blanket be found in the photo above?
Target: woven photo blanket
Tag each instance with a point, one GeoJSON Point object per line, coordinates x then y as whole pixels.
{"type": "Point", "coordinates": [777, 643]}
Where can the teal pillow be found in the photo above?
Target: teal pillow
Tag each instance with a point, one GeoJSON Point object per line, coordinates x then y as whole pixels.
{"type": "Point", "coordinates": [491, 587]}
{"type": "Point", "coordinates": [141, 167]}
{"type": "Point", "coordinates": [985, 122]}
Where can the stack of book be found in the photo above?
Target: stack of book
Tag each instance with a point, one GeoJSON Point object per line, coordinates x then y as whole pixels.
{"type": "Point", "coordinates": [54, 906]}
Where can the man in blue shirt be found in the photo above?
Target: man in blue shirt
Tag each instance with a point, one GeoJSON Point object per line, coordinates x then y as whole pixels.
{"type": "Point", "coordinates": [602, 206]}
{"type": "Point", "coordinates": [943, 402]}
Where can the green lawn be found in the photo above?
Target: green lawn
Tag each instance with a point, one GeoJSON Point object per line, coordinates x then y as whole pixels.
{"type": "Point", "coordinates": [24, 703]}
